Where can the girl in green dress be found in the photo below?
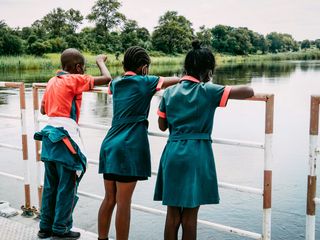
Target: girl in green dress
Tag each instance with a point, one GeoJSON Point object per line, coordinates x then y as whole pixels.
{"type": "Point", "coordinates": [187, 175]}
{"type": "Point", "coordinates": [125, 153]}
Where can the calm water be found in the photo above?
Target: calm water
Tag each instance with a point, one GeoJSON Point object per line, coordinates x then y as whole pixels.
{"type": "Point", "coordinates": [291, 82]}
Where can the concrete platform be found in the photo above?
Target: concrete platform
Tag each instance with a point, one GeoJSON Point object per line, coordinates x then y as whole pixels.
{"type": "Point", "coordinates": [21, 228]}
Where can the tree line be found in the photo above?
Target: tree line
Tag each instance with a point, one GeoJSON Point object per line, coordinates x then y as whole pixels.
{"type": "Point", "coordinates": [113, 32]}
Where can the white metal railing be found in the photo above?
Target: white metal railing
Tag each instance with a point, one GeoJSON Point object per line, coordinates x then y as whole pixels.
{"type": "Point", "coordinates": [27, 210]}
{"type": "Point", "coordinates": [312, 200]}
{"type": "Point", "coordinates": [265, 192]}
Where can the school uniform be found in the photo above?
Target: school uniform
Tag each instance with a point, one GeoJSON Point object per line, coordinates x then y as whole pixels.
{"type": "Point", "coordinates": [62, 151]}
{"type": "Point", "coordinates": [187, 174]}
{"type": "Point", "coordinates": [125, 150]}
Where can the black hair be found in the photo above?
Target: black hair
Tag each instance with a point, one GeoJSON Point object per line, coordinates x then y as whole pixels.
{"type": "Point", "coordinates": [69, 58]}
{"type": "Point", "coordinates": [135, 57]}
{"type": "Point", "coordinates": [199, 61]}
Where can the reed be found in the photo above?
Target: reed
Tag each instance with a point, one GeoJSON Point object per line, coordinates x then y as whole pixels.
{"type": "Point", "coordinates": [51, 61]}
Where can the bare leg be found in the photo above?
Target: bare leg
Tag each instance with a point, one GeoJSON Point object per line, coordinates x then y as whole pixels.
{"type": "Point", "coordinates": [106, 209]}
{"type": "Point", "coordinates": [124, 195]}
{"type": "Point", "coordinates": [189, 223]}
{"type": "Point", "coordinates": [173, 221]}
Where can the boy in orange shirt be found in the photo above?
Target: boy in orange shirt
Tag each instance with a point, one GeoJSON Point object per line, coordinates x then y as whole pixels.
{"type": "Point", "coordinates": [62, 150]}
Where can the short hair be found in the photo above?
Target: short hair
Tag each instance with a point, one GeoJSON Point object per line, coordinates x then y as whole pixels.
{"type": "Point", "coordinates": [199, 60]}
{"type": "Point", "coordinates": [135, 57]}
{"type": "Point", "coordinates": [70, 57]}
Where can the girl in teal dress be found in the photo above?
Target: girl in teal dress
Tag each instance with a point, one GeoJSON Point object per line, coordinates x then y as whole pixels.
{"type": "Point", "coordinates": [125, 153]}
{"type": "Point", "coordinates": [187, 175]}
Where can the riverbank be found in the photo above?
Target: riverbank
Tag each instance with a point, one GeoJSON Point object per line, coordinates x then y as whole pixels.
{"type": "Point", "coordinates": [52, 60]}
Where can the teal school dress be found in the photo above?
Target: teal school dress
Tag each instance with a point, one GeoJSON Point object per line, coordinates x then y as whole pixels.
{"type": "Point", "coordinates": [125, 149]}
{"type": "Point", "coordinates": [187, 174]}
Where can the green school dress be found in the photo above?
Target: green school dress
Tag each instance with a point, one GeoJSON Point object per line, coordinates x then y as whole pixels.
{"type": "Point", "coordinates": [187, 175]}
{"type": "Point", "coordinates": [125, 150]}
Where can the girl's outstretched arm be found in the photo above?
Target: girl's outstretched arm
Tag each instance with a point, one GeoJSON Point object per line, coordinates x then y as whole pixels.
{"type": "Point", "coordinates": [169, 81]}
{"type": "Point", "coordinates": [105, 77]}
{"type": "Point", "coordinates": [240, 92]}
{"type": "Point", "coordinates": [163, 124]}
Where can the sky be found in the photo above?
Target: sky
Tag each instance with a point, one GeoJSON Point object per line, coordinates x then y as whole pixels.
{"type": "Point", "coordinates": [300, 18]}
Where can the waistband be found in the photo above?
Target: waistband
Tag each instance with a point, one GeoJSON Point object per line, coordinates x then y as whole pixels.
{"type": "Point", "coordinates": [190, 136]}
{"type": "Point", "coordinates": [126, 120]}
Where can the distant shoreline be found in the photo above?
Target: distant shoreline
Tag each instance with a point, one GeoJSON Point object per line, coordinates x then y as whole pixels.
{"type": "Point", "coordinates": [51, 61]}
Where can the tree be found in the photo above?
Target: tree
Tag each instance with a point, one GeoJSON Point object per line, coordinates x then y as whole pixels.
{"type": "Point", "coordinates": [55, 22]}
{"type": "Point", "coordinates": [3, 25]}
{"type": "Point", "coordinates": [317, 43]}
{"type": "Point", "coordinates": [276, 43]}
{"type": "Point", "coordinates": [74, 19]}
{"type": "Point", "coordinates": [105, 15]}
{"type": "Point", "coordinates": [205, 36]}
{"type": "Point", "coordinates": [305, 44]}
{"type": "Point", "coordinates": [38, 29]}
{"type": "Point", "coordinates": [10, 44]}
{"type": "Point", "coordinates": [39, 48]}
{"type": "Point", "coordinates": [281, 42]}
{"type": "Point", "coordinates": [173, 34]}
{"type": "Point", "coordinates": [219, 38]}
{"type": "Point", "coordinates": [129, 35]}
{"type": "Point", "coordinates": [143, 34]}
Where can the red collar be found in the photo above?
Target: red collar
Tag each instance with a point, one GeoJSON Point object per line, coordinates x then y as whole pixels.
{"type": "Point", "coordinates": [189, 78]}
{"type": "Point", "coordinates": [129, 73]}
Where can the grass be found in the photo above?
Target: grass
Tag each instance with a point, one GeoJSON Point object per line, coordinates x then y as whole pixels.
{"type": "Point", "coordinates": [52, 61]}
{"type": "Point", "coordinates": [24, 63]}
{"type": "Point", "coordinates": [312, 54]}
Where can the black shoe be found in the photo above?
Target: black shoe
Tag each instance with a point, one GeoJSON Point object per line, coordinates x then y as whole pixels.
{"type": "Point", "coordinates": [67, 236]}
{"type": "Point", "coordinates": [44, 234]}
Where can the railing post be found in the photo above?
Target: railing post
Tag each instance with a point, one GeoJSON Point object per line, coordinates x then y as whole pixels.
{"type": "Point", "coordinates": [267, 185]}
{"type": "Point", "coordinates": [35, 96]}
{"type": "Point", "coordinates": [27, 210]}
{"type": "Point", "coordinates": [312, 177]}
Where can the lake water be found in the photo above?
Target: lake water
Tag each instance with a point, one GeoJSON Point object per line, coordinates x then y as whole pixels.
{"type": "Point", "coordinates": [292, 83]}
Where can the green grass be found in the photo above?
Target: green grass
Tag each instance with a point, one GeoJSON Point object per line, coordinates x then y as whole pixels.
{"type": "Point", "coordinates": [52, 61]}
{"type": "Point", "coordinates": [8, 63]}
{"type": "Point", "coordinates": [312, 54]}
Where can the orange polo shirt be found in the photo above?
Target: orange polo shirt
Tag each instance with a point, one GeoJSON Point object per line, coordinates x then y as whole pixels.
{"type": "Point", "coordinates": [63, 94]}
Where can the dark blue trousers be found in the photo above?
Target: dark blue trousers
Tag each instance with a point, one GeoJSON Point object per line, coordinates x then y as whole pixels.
{"type": "Point", "coordinates": [58, 198]}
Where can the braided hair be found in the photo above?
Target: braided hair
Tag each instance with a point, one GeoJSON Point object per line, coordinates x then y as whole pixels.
{"type": "Point", "coordinates": [199, 62]}
{"type": "Point", "coordinates": [135, 57]}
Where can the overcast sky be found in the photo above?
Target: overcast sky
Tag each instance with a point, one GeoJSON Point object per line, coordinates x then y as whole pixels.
{"type": "Point", "coordinates": [301, 18]}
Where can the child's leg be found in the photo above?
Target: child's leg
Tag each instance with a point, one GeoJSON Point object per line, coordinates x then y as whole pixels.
{"type": "Point", "coordinates": [173, 221]}
{"type": "Point", "coordinates": [123, 198]}
{"type": "Point", "coordinates": [106, 209]}
{"type": "Point", "coordinates": [49, 194]}
{"type": "Point", "coordinates": [189, 223]}
{"type": "Point", "coordinates": [66, 200]}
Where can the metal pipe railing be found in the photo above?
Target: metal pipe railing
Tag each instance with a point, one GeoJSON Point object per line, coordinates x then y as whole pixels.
{"type": "Point", "coordinates": [27, 210]}
{"type": "Point", "coordinates": [267, 146]}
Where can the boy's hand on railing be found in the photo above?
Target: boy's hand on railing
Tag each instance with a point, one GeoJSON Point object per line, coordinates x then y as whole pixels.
{"type": "Point", "coordinates": [101, 58]}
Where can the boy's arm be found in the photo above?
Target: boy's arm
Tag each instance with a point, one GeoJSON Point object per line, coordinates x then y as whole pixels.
{"type": "Point", "coordinates": [43, 112]}
{"type": "Point", "coordinates": [163, 124]}
{"type": "Point", "coordinates": [240, 92]}
{"type": "Point", "coordinates": [105, 77]}
{"type": "Point", "coordinates": [169, 81]}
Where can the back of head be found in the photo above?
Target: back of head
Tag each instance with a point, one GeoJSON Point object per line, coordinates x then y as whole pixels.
{"type": "Point", "coordinates": [199, 62]}
{"type": "Point", "coordinates": [134, 58]}
{"type": "Point", "coordinates": [70, 58]}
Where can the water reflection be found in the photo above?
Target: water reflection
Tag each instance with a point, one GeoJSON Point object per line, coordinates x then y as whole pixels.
{"type": "Point", "coordinates": [292, 83]}
{"type": "Point", "coordinates": [226, 74]}
{"type": "Point", "coordinates": [4, 96]}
